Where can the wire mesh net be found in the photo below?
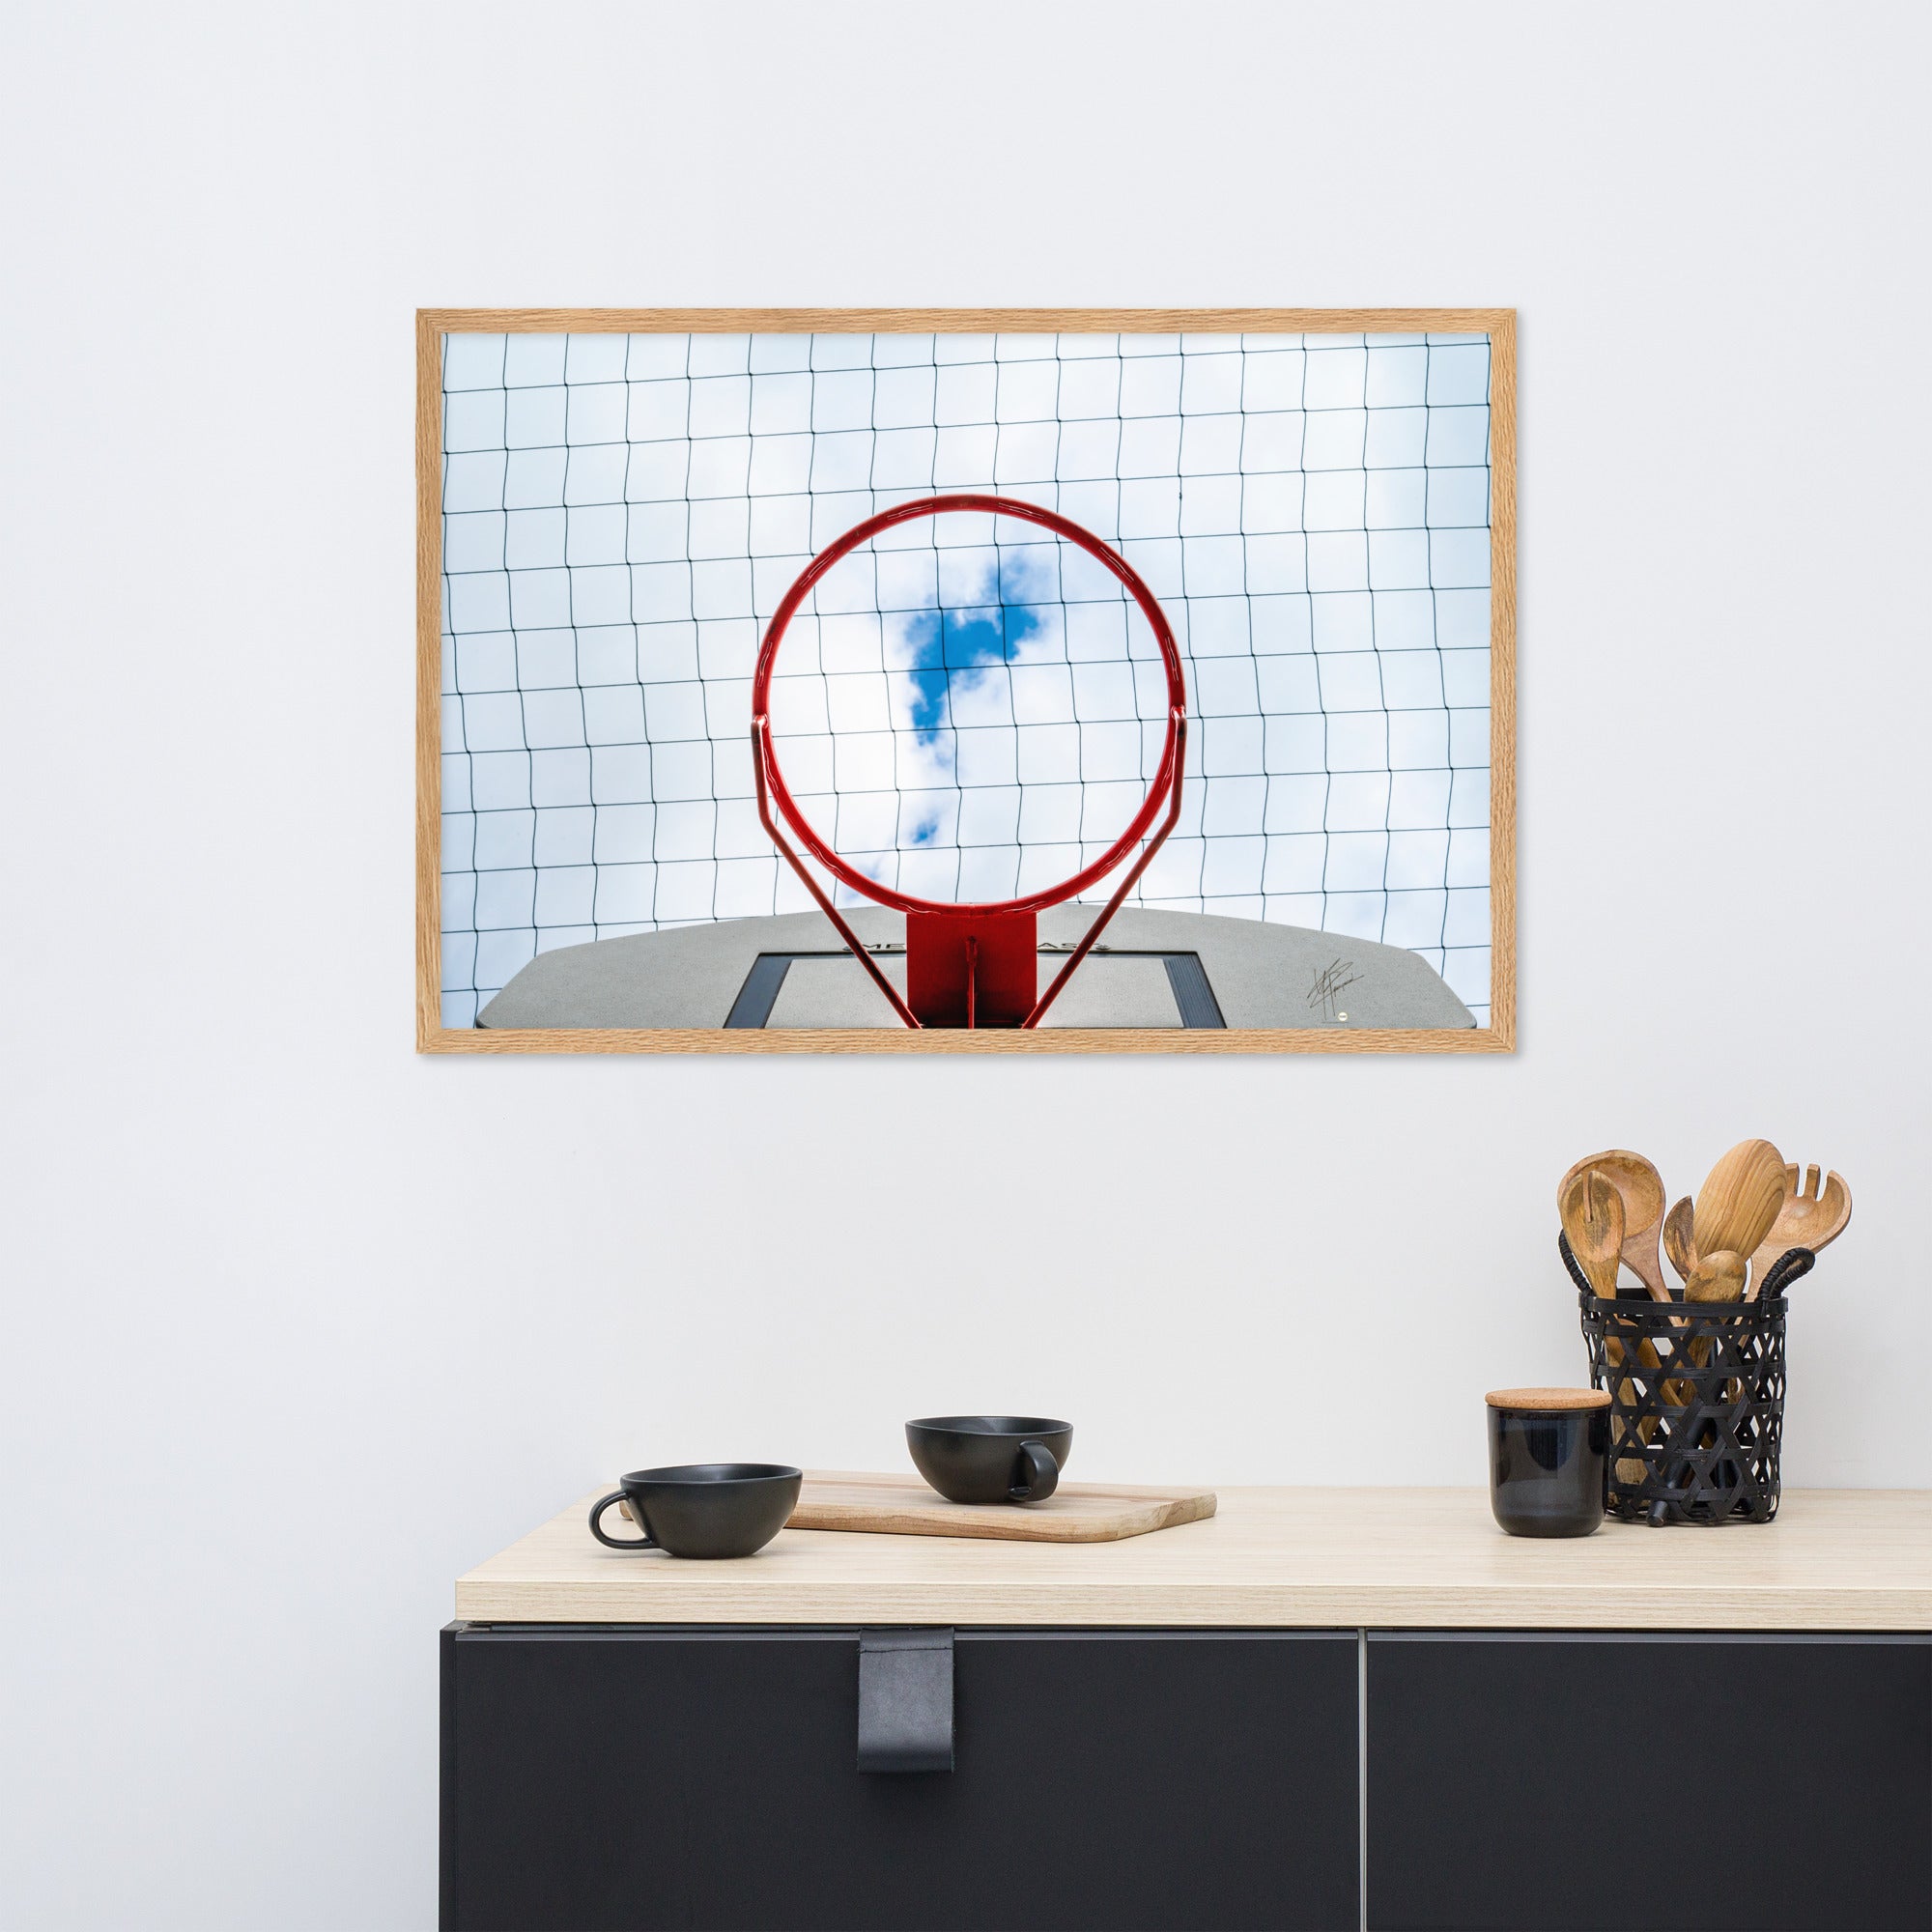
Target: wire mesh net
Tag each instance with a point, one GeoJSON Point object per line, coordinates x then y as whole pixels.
{"type": "Point", "coordinates": [968, 707]}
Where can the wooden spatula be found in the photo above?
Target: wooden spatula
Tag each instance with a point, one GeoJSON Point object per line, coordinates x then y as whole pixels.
{"type": "Point", "coordinates": [1593, 1217]}
{"type": "Point", "coordinates": [1593, 1221]}
{"type": "Point", "coordinates": [1739, 1199]}
{"type": "Point", "coordinates": [1642, 1189]}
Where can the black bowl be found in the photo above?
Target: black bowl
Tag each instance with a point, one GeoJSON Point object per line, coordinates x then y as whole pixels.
{"type": "Point", "coordinates": [703, 1509]}
{"type": "Point", "coordinates": [990, 1458]}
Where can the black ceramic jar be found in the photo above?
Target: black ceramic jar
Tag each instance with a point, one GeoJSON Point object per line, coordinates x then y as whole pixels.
{"type": "Point", "coordinates": [1548, 1458]}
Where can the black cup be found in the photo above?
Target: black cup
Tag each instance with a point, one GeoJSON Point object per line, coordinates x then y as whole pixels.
{"type": "Point", "coordinates": [1549, 1460]}
{"type": "Point", "coordinates": [990, 1458]}
{"type": "Point", "coordinates": [703, 1509]}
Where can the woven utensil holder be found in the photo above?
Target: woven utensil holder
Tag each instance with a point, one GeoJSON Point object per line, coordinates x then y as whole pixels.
{"type": "Point", "coordinates": [1700, 1408]}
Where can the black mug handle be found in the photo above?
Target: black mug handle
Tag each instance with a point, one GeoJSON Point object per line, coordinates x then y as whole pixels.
{"type": "Point", "coordinates": [597, 1510]}
{"type": "Point", "coordinates": [1037, 1471]}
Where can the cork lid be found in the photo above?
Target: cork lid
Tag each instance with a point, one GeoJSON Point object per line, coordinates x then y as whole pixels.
{"type": "Point", "coordinates": [1549, 1401]}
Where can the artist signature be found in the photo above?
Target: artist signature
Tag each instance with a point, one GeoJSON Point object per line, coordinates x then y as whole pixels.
{"type": "Point", "coordinates": [1330, 985]}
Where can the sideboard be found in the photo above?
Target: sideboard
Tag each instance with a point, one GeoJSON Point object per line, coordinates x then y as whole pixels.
{"type": "Point", "coordinates": [1320, 1709]}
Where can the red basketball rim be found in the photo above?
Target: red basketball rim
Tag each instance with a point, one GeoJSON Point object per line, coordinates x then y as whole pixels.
{"type": "Point", "coordinates": [999, 506]}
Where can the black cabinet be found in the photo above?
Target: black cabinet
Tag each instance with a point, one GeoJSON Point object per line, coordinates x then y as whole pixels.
{"type": "Point", "coordinates": [603, 1777]}
{"type": "Point", "coordinates": [1623, 1782]}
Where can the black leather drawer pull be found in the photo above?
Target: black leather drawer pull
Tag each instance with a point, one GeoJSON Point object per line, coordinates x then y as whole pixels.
{"type": "Point", "coordinates": [905, 1700]}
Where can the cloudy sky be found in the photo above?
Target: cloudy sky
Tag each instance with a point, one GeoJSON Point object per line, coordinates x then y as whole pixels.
{"type": "Point", "coordinates": [967, 707]}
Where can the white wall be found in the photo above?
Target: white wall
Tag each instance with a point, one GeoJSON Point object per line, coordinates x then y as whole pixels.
{"type": "Point", "coordinates": [298, 1326]}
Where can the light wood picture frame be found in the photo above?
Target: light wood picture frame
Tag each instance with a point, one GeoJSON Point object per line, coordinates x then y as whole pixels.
{"type": "Point", "coordinates": [520, 420]}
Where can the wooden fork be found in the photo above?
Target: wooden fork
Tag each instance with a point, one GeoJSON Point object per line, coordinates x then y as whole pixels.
{"type": "Point", "coordinates": [1811, 1215]}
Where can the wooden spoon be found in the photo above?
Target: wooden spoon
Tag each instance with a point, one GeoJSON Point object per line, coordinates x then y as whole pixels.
{"type": "Point", "coordinates": [1809, 1216]}
{"type": "Point", "coordinates": [1717, 1277]}
{"type": "Point", "coordinates": [1641, 1188]}
{"type": "Point", "coordinates": [1680, 1241]}
{"type": "Point", "coordinates": [1739, 1201]}
{"type": "Point", "coordinates": [1593, 1218]}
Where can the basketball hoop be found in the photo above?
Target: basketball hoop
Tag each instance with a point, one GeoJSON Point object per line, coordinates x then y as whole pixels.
{"type": "Point", "coordinates": [970, 965]}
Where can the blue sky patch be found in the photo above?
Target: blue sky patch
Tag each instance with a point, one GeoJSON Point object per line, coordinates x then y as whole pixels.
{"type": "Point", "coordinates": [947, 647]}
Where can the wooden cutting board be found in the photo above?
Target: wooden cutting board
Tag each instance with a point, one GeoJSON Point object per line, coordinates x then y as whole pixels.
{"type": "Point", "coordinates": [1075, 1513]}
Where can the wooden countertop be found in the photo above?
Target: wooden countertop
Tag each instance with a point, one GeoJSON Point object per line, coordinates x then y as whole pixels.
{"type": "Point", "coordinates": [1835, 1559]}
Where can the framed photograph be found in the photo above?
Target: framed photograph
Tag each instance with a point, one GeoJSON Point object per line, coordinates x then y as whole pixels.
{"type": "Point", "coordinates": [1009, 681]}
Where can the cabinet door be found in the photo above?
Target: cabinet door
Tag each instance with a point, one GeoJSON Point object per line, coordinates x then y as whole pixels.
{"type": "Point", "coordinates": [1621, 1783]}
{"type": "Point", "coordinates": [604, 1778]}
